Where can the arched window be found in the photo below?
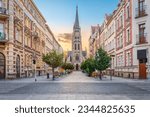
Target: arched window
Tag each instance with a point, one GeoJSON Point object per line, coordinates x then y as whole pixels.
{"type": "Point", "coordinates": [75, 46]}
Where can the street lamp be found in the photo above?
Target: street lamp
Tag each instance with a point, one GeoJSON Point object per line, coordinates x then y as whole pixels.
{"type": "Point", "coordinates": [34, 62]}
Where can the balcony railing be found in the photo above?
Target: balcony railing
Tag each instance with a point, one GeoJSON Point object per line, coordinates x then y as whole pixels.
{"type": "Point", "coordinates": [141, 39]}
{"type": "Point", "coordinates": [17, 17]}
{"type": "Point", "coordinates": [3, 11]}
{"type": "Point", "coordinates": [2, 37]}
{"type": "Point", "coordinates": [141, 12]}
{"type": "Point", "coordinates": [120, 47]}
{"type": "Point", "coordinates": [128, 19]}
{"type": "Point", "coordinates": [35, 35]}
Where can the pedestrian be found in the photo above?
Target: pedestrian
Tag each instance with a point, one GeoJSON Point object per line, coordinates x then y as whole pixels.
{"type": "Point", "coordinates": [47, 75]}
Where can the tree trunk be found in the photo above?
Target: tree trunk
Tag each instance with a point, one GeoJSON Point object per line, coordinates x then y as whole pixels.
{"type": "Point", "coordinates": [100, 75]}
{"type": "Point", "coordinates": [53, 73]}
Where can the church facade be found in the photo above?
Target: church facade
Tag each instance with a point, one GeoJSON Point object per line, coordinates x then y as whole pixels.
{"type": "Point", "coordinates": [76, 56]}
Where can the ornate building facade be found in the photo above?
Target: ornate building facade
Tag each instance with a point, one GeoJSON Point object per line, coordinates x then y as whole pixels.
{"type": "Point", "coordinates": [23, 37]}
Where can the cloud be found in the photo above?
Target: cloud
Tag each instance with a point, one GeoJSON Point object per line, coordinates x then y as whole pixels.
{"type": "Point", "coordinates": [65, 37]}
{"type": "Point", "coordinates": [63, 40]}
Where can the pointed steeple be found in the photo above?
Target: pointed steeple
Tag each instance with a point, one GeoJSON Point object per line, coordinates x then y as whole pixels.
{"type": "Point", "coordinates": [76, 24]}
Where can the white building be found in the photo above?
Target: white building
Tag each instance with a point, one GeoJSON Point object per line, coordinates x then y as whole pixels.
{"type": "Point", "coordinates": [110, 40]}
{"type": "Point", "coordinates": [141, 36]}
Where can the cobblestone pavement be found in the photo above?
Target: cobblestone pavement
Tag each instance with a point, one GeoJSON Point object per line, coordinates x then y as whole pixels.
{"type": "Point", "coordinates": [75, 86]}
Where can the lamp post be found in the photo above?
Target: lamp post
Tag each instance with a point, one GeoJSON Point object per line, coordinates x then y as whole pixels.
{"type": "Point", "coordinates": [34, 62]}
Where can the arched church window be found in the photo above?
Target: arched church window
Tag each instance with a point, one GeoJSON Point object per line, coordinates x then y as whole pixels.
{"type": "Point", "coordinates": [78, 46]}
{"type": "Point", "coordinates": [75, 46]}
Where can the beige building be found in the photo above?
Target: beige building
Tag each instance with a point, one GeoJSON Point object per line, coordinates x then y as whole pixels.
{"type": "Point", "coordinates": [94, 40]}
{"type": "Point", "coordinates": [24, 36]}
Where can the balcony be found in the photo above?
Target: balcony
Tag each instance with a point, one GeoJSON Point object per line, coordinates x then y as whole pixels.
{"type": "Point", "coordinates": [2, 37]}
{"type": "Point", "coordinates": [120, 47]}
{"type": "Point", "coordinates": [141, 12]}
{"type": "Point", "coordinates": [35, 35]}
{"type": "Point", "coordinates": [128, 43]}
{"type": "Point", "coordinates": [43, 43]}
{"type": "Point", "coordinates": [128, 19]}
{"type": "Point", "coordinates": [3, 13]}
{"type": "Point", "coordinates": [27, 30]}
{"type": "Point", "coordinates": [18, 20]}
{"type": "Point", "coordinates": [141, 39]}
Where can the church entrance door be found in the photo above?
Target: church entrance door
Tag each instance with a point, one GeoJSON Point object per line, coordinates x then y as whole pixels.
{"type": "Point", "coordinates": [77, 67]}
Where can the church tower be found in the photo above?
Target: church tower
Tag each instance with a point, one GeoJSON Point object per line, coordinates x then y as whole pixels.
{"type": "Point", "coordinates": [76, 43]}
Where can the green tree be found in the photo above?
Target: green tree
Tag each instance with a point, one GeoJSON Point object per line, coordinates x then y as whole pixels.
{"type": "Point", "coordinates": [83, 66]}
{"type": "Point", "coordinates": [102, 61]}
{"type": "Point", "coordinates": [64, 66]}
{"type": "Point", "coordinates": [88, 66]}
{"type": "Point", "coordinates": [70, 66]}
{"type": "Point", "coordinates": [54, 60]}
{"type": "Point", "coordinates": [67, 66]}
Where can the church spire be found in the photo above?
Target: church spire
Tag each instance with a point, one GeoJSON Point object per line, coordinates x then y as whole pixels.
{"type": "Point", "coordinates": [76, 24]}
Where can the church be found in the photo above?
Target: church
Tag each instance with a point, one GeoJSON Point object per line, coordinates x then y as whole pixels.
{"type": "Point", "coordinates": [76, 56]}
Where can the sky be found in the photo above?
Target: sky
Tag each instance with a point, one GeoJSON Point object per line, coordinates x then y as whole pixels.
{"type": "Point", "coordinates": [60, 16]}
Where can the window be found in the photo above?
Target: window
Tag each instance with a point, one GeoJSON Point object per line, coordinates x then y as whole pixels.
{"type": "Point", "coordinates": [141, 5]}
{"type": "Point", "coordinates": [17, 35]}
{"type": "Point", "coordinates": [29, 42]}
{"type": "Point", "coordinates": [121, 20]}
{"type": "Point", "coordinates": [118, 43]}
{"type": "Point", "coordinates": [118, 61]}
{"type": "Point", "coordinates": [1, 3]}
{"type": "Point", "coordinates": [1, 28]}
{"type": "Point", "coordinates": [128, 55]}
{"type": "Point", "coordinates": [141, 10]}
{"type": "Point", "coordinates": [128, 36]}
{"type": "Point", "coordinates": [78, 46]}
{"type": "Point", "coordinates": [75, 46]}
{"type": "Point", "coordinates": [118, 23]}
{"type": "Point", "coordinates": [142, 34]}
{"type": "Point", "coordinates": [121, 60]}
{"type": "Point", "coordinates": [1, 31]}
{"type": "Point", "coordinates": [121, 41]}
{"type": "Point", "coordinates": [128, 12]}
{"type": "Point", "coordinates": [142, 29]}
{"type": "Point", "coordinates": [26, 40]}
